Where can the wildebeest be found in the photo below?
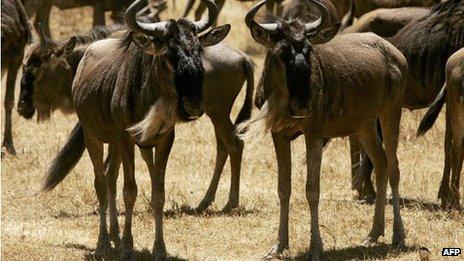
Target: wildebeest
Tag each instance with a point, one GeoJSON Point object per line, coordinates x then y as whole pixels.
{"type": "Point", "coordinates": [132, 91]}
{"type": "Point", "coordinates": [49, 72]}
{"type": "Point", "coordinates": [453, 94]}
{"type": "Point", "coordinates": [51, 66]}
{"type": "Point", "coordinates": [427, 43]}
{"type": "Point", "coordinates": [386, 22]}
{"type": "Point", "coordinates": [16, 34]}
{"type": "Point", "coordinates": [306, 11]}
{"type": "Point", "coordinates": [41, 9]}
{"type": "Point", "coordinates": [323, 89]}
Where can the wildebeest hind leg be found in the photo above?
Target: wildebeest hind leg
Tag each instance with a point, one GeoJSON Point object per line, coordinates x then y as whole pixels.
{"type": "Point", "coordinates": [444, 191]}
{"type": "Point", "coordinates": [457, 154]}
{"type": "Point", "coordinates": [370, 140]}
{"type": "Point", "coordinates": [95, 150]}
{"type": "Point", "coordinates": [126, 152]}
{"type": "Point", "coordinates": [390, 122]}
{"type": "Point", "coordinates": [221, 157]}
{"type": "Point", "coordinates": [112, 164]}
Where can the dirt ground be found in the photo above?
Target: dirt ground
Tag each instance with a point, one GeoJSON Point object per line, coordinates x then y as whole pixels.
{"type": "Point", "coordinates": [63, 224]}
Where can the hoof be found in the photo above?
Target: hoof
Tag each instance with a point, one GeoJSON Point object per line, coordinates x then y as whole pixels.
{"type": "Point", "coordinates": [314, 256]}
{"type": "Point", "coordinates": [275, 251]}
{"type": "Point", "coordinates": [8, 148]}
{"type": "Point", "coordinates": [103, 246]}
{"type": "Point", "coordinates": [114, 237]}
{"type": "Point", "coordinates": [127, 255]}
{"type": "Point", "coordinates": [159, 255]}
{"type": "Point", "coordinates": [229, 207]}
{"type": "Point", "coordinates": [204, 204]}
{"type": "Point", "coordinates": [399, 244]}
{"type": "Point", "coordinates": [443, 193]}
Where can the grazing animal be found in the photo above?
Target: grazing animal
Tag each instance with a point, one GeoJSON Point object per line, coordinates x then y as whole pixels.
{"type": "Point", "coordinates": [453, 94]}
{"type": "Point", "coordinates": [306, 11]}
{"type": "Point", "coordinates": [427, 43]}
{"type": "Point", "coordinates": [386, 22]}
{"type": "Point", "coordinates": [51, 67]}
{"type": "Point", "coordinates": [41, 9]}
{"type": "Point", "coordinates": [49, 72]}
{"type": "Point", "coordinates": [132, 91]}
{"type": "Point", "coordinates": [323, 89]}
{"type": "Point", "coordinates": [16, 34]}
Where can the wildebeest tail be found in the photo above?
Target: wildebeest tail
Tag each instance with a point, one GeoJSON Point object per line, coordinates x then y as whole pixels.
{"type": "Point", "coordinates": [24, 20]}
{"type": "Point", "coordinates": [432, 113]}
{"type": "Point", "coordinates": [245, 112]}
{"type": "Point", "coordinates": [66, 159]}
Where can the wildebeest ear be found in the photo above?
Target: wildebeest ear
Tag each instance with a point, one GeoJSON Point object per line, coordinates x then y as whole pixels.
{"type": "Point", "coordinates": [261, 36]}
{"type": "Point", "coordinates": [215, 35]}
{"type": "Point", "coordinates": [325, 35]}
{"type": "Point", "coordinates": [143, 42]}
{"type": "Point", "coordinates": [68, 47]}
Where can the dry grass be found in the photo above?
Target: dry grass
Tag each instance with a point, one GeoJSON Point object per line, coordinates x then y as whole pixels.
{"type": "Point", "coordinates": [63, 225]}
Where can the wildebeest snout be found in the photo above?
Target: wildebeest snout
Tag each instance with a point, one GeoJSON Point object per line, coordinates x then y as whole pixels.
{"type": "Point", "coordinates": [193, 108]}
{"type": "Point", "coordinates": [298, 110]}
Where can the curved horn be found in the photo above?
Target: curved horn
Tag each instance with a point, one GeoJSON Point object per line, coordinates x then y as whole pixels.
{"type": "Point", "coordinates": [250, 19]}
{"type": "Point", "coordinates": [158, 29]}
{"type": "Point", "coordinates": [319, 23]}
{"type": "Point", "coordinates": [44, 41]}
{"type": "Point", "coordinates": [206, 22]}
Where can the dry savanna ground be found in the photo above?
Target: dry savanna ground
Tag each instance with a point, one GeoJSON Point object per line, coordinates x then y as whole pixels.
{"type": "Point", "coordinates": [63, 224]}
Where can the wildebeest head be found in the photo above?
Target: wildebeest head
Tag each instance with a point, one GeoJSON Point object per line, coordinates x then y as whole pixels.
{"type": "Point", "coordinates": [45, 71]}
{"type": "Point", "coordinates": [176, 45]}
{"type": "Point", "coordinates": [288, 60]}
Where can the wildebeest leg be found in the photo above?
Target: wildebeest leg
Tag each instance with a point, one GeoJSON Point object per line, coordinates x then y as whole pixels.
{"type": "Point", "coordinates": [314, 149]}
{"type": "Point", "coordinates": [221, 157]}
{"type": "Point", "coordinates": [157, 174]}
{"type": "Point", "coordinates": [126, 152]}
{"type": "Point", "coordinates": [13, 68]}
{"type": "Point", "coordinates": [95, 149]}
{"type": "Point", "coordinates": [43, 16]}
{"type": "Point", "coordinates": [284, 164]}
{"type": "Point", "coordinates": [444, 191]}
{"type": "Point", "coordinates": [355, 152]}
{"type": "Point", "coordinates": [200, 10]}
{"type": "Point", "coordinates": [112, 163]}
{"type": "Point", "coordinates": [98, 14]}
{"type": "Point", "coordinates": [390, 122]}
{"type": "Point", "coordinates": [457, 130]}
{"type": "Point", "coordinates": [368, 136]}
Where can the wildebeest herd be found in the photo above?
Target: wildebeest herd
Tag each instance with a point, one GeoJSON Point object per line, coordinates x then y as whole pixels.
{"type": "Point", "coordinates": [332, 68]}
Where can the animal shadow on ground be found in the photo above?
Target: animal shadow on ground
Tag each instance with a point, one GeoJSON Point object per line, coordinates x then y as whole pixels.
{"type": "Point", "coordinates": [141, 255]}
{"type": "Point", "coordinates": [177, 212]}
{"type": "Point", "coordinates": [418, 204]}
{"type": "Point", "coordinates": [380, 251]}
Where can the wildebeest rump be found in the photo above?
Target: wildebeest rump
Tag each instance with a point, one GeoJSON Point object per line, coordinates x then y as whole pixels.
{"type": "Point", "coordinates": [132, 91]}
{"type": "Point", "coordinates": [453, 94]}
{"type": "Point", "coordinates": [322, 90]}
{"type": "Point", "coordinates": [16, 33]}
{"type": "Point", "coordinates": [427, 43]}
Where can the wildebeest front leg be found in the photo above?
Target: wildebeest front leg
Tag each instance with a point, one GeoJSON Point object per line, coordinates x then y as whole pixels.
{"type": "Point", "coordinates": [112, 163]}
{"type": "Point", "coordinates": [314, 147]}
{"type": "Point", "coordinates": [284, 164]}
{"type": "Point", "coordinates": [13, 68]}
{"type": "Point", "coordinates": [221, 157]}
{"type": "Point", "coordinates": [157, 174]}
{"type": "Point", "coordinates": [457, 153]}
{"type": "Point", "coordinates": [95, 150]}
{"type": "Point", "coordinates": [370, 140]}
{"type": "Point", "coordinates": [98, 14]}
{"type": "Point", "coordinates": [126, 151]}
